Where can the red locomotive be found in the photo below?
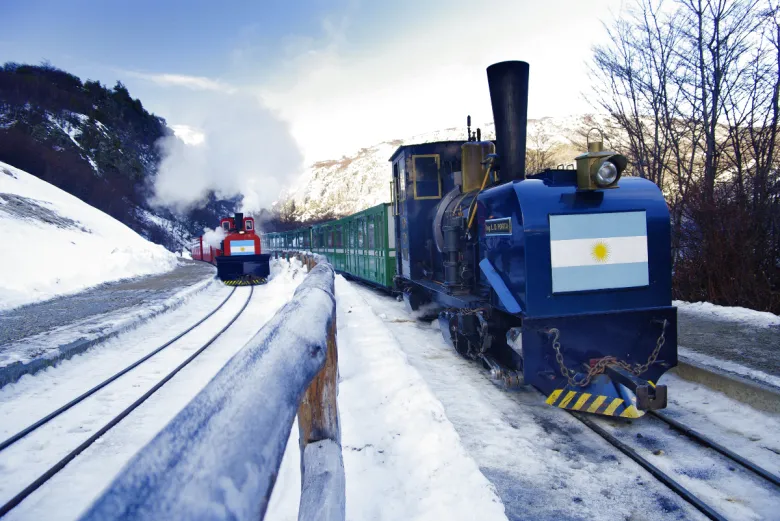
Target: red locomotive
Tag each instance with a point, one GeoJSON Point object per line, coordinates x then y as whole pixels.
{"type": "Point", "coordinates": [239, 258]}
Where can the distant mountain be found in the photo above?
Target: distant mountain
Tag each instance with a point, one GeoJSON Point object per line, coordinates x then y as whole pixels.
{"type": "Point", "coordinates": [96, 143]}
{"type": "Point", "coordinates": [340, 187]}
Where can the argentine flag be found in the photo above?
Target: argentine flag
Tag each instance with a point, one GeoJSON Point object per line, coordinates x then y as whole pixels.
{"type": "Point", "coordinates": [242, 247]}
{"type": "Point", "coordinates": [598, 251]}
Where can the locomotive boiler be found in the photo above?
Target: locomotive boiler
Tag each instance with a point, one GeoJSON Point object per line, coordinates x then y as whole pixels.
{"type": "Point", "coordinates": [560, 280]}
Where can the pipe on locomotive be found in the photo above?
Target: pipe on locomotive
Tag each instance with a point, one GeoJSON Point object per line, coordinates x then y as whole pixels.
{"type": "Point", "coordinates": [239, 221]}
{"type": "Point", "coordinates": [508, 83]}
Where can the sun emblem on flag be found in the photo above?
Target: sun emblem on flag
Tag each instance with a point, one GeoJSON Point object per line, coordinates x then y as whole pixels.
{"type": "Point", "coordinates": [243, 249]}
{"type": "Point", "coordinates": [600, 252]}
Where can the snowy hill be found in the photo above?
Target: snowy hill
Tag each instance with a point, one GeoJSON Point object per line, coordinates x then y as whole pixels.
{"type": "Point", "coordinates": [96, 143]}
{"type": "Point", "coordinates": [55, 243]}
{"type": "Point", "coordinates": [344, 186]}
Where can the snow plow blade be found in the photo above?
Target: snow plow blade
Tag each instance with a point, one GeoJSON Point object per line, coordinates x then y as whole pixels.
{"type": "Point", "coordinates": [243, 270]}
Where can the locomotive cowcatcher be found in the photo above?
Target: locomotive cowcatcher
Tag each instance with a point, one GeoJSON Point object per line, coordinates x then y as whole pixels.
{"type": "Point", "coordinates": [560, 279]}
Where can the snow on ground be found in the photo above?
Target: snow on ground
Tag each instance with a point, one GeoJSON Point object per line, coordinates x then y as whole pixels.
{"type": "Point", "coordinates": [720, 365]}
{"type": "Point", "coordinates": [544, 464]}
{"type": "Point", "coordinates": [56, 244]}
{"type": "Point", "coordinates": [425, 434]}
{"type": "Point", "coordinates": [53, 343]}
{"type": "Point", "coordinates": [730, 313]}
{"type": "Point", "coordinates": [403, 459]}
{"type": "Point", "coordinates": [72, 490]}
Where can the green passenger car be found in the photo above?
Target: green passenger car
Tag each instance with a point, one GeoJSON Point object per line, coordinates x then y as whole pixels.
{"type": "Point", "coordinates": [294, 240]}
{"type": "Point", "coordinates": [361, 245]}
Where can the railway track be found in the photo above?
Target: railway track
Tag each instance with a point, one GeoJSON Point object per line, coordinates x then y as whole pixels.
{"type": "Point", "coordinates": [752, 472]}
{"type": "Point", "coordinates": [53, 469]}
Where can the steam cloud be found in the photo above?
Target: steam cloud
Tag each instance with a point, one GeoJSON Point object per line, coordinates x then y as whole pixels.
{"type": "Point", "coordinates": [213, 237]}
{"type": "Point", "coordinates": [246, 151]}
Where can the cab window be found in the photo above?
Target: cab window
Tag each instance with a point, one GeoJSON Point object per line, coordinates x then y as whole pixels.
{"type": "Point", "coordinates": [426, 177]}
{"type": "Point", "coordinates": [248, 224]}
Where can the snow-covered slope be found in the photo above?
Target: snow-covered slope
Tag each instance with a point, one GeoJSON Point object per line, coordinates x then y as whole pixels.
{"type": "Point", "coordinates": [109, 164]}
{"type": "Point", "coordinates": [54, 243]}
{"type": "Point", "coordinates": [344, 186]}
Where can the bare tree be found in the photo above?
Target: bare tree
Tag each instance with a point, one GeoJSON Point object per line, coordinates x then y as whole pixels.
{"type": "Point", "coordinates": [693, 86]}
{"type": "Point", "coordinates": [539, 150]}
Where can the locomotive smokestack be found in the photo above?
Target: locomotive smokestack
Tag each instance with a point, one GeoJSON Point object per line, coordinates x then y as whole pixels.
{"type": "Point", "coordinates": [508, 83]}
{"type": "Point", "coordinates": [239, 221]}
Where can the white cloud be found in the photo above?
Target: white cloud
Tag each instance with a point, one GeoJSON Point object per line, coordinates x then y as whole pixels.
{"type": "Point", "coordinates": [182, 80]}
{"type": "Point", "coordinates": [412, 75]}
{"type": "Point", "coordinates": [340, 95]}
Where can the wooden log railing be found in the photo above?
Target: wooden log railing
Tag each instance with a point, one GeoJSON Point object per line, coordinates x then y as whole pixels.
{"type": "Point", "coordinates": [220, 456]}
{"type": "Point", "coordinates": [308, 259]}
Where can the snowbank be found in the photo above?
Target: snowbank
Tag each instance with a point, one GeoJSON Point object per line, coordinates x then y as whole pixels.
{"type": "Point", "coordinates": [403, 458]}
{"type": "Point", "coordinates": [54, 243]}
{"type": "Point", "coordinates": [736, 314]}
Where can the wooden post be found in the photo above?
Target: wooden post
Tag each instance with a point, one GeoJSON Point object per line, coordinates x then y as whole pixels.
{"type": "Point", "coordinates": [322, 465]}
{"type": "Point", "coordinates": [318, 413]}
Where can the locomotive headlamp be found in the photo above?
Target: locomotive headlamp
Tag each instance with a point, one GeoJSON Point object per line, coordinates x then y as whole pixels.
{"type": "Point", "coordinates": [599, 168]}
{"type": "Point", "coordinates": [607, 174]}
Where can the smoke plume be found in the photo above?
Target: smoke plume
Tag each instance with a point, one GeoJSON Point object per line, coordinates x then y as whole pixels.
{"type": "Point", "coordinates": [245, 150]}
{"type": "Point", "coordinates": [213, 237]}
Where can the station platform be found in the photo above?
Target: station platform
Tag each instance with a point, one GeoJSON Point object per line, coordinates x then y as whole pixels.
{"type": "Point", "coordinates": [754, 344]}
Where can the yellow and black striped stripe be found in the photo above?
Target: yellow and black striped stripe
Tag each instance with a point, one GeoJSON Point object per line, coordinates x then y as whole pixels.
{"type": "Point", "coordinates": [244, 282]}
{"type": "Point", "coordinates": [597, 404]}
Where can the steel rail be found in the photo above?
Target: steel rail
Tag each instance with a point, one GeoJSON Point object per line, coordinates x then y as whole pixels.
{"type": "Point", "coordinates": [27, 430]}
{"type": "Point", "coordinates": [43, 478]}
{"type": "Point", "coordinates": [652, 469]}
{"type": "Point", "coordinates": [712, 444]}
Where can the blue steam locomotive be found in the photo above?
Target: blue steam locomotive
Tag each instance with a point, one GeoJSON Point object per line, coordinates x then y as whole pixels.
{"type": "Point", "coordinates": [561, 280]}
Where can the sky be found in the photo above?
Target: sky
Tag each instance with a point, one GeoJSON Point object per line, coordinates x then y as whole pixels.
{"type": "Point", "coordinates": [326, 78]}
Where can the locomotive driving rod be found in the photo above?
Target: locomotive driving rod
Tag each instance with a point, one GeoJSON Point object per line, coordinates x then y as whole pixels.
{"type": "Point", "coordinates": [648, 396]}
